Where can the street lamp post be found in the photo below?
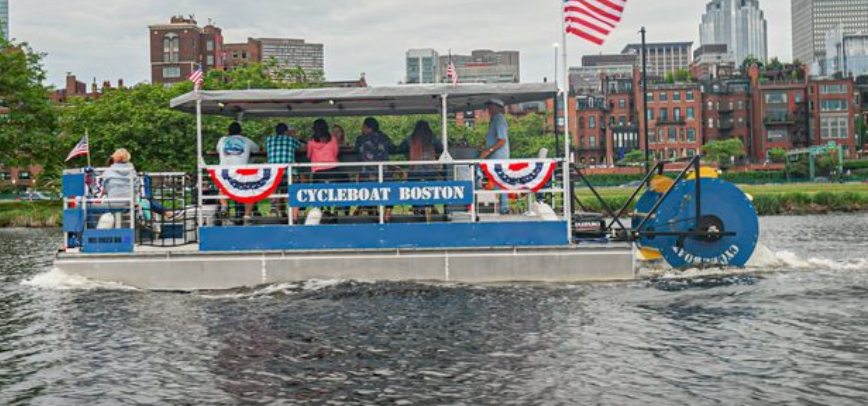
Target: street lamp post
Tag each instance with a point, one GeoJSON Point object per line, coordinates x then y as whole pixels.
{"type": "Point", "coordinates": [557, 120]}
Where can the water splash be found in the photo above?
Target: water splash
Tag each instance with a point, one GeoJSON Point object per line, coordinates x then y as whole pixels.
{"type": "Point", "coordinates": [55, 279]}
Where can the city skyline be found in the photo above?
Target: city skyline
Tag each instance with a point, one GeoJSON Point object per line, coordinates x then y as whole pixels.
{"type": "Point", "coordinates": [110, 41]}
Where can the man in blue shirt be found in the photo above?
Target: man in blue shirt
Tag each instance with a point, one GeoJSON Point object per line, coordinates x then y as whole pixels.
{"type": "Point", "coordinates": [497, 141]}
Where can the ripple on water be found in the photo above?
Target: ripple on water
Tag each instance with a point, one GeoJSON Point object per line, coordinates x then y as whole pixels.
{"type": "Point", "coordinates": [791, 330]}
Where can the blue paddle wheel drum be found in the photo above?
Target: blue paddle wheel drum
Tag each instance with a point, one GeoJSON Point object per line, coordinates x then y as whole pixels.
{"type": "Point", "coordinates": [726, 234]}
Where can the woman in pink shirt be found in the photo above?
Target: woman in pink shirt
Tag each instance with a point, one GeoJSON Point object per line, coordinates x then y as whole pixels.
{"type": "Point", "coordinates": [324, 149]}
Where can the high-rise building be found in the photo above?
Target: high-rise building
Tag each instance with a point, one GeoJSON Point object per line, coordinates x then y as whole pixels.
{"type": "Point", "coordinates": [285, 53]}
{"type": "Point", "coordinates": [813, 19]}
{"type": "Point", "coordinates": [740, 24]}
{"type": "Point", "coordinates": [483, 66]}
{"type": "Point", "coordinates": [663, 57]}
{"type": "Point", "coordinates": [423, 66]}
{"type": "Point", "coordinates": [610, 60]}
{"type": "Point", "coordinates": [4, 19]}
{"type": "Point", "coordinates": [181, 46]}
{"type": "Point", "coordinates": [845, 53]}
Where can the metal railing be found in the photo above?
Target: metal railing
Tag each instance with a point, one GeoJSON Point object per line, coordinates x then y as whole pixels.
{"type": "Point", "coordinates": [487, 203]}
{"type": "Point", "coordinates": [160, 209]}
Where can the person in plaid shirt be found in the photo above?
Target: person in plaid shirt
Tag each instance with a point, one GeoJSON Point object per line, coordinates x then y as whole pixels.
{"type": "Point", "coordinates": [281, 149]}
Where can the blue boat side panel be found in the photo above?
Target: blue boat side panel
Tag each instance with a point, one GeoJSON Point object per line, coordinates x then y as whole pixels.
{"type": "Point", "coordinates": [73, 185]}
{"type": "Point", "coordinates": [113, 241]}
{"type": "Point", "coordinates": [73, 220]}
{"type": "Point", "coordinates": [389, 236]}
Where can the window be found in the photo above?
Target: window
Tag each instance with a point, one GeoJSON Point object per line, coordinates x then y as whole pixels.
{"type": "Point", "coordinates": [797, 97]}
{"type": "Point", "coordinates": [593, 141]}
{"type": "Point", "coordinates": [5, 175]}
{"type": "Point", "coordinates": [581, 122]}
{"type": "Point", "coordinates": [243, 54]}
{"type": "Point", "coordinates": [676, 96]}
{"type": "Point", "coordinates": [731, 106]}
{"type": "Point", "coordinates": [677, 113]}
{"type": "Point", "coordinates": [622, 120]}
{"type": "Point", "coordinates": [691, 153]}
{"type": "Point", "coordinates": [622, 104]}
{"type": "Point", "coordinates": [691, 135]}
{"type": "Point", "coordinates": [834, 127]}
{"type": "Point", "coordinates": [650, 114]}
{"type": "Point", "coordinates": [661, 135]}
{"type": "Point", "coordinates": [741, 121]}
{"type": "Point", "coordinates": [710, 123]}
{"type": "Point", "coordinates": [664, 97]}
{"type": "Point", "coordinates": [833, 105]}
{"type": "Point", "coordinates": [210, 60]}
{"type": "Point", "coordinates": [690, 96]}
{"type": "Point", "coordinates": [776, 98]}
{"type": "Point", "coordinates": [171, 48]}
{"type": "Point", "coordinates": [690, 113]}
{"type": "Point", "coordinates": [23, 175]}
{"type": "Point", "coordinates": [833, 89]}
{"type": "Point", "coordinates": [664, 115]}
{"type": "Point", "coordinates": [649, 97]}
{"type": "Point", "coordinates": [673, 135]}
{"type": "Point", "coordinates": [710, 106]}
{"type": "Point", "coordinates": [171, 72]}
{"type": "Point", "coordinates": [234, 54]}
{"type": "Point", "coordinates": [592, 122]}
{"type": "Point", "coordinates": [741, 104]}
{"type": "Point", "coordinates": [209, 45]}
{"type": "Point", "coordinates": [776, 135]}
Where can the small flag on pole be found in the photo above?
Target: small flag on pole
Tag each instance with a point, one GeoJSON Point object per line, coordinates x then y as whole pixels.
{"type": "Point", "coordinates": [592, 20]}
{"type": "Point", "coordinates": [80, 149]}
{"type": "Point", "coordinates": [197, 77]}
{"type": "Point", "coordinates": [451, 73]}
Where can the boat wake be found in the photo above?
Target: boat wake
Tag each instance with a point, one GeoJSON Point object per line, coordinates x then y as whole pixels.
{"type": "Point", "coordinates": [277, 290]}
{"type": "Point", "coordinates": [55, 279]}
{"type": "Point", "coordinates": [764, 260]}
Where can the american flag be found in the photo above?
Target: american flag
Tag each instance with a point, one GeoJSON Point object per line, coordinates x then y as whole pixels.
{"type": "Point", "coordinates": [592, 20]}
{"type": "Point", "coordinates": [80, 149]}
{"type": "Point", "coordinates": [197, 77]}
{"type": "Point", "coordinates": [452, 73]}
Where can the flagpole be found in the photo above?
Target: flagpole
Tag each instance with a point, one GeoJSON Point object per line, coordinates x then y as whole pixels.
{"type": "Point", "coordinates": [86, 135]}
{"type": "Point", "coordinates": [565, 88]}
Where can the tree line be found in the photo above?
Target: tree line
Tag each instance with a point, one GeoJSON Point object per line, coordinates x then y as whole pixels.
{"type": "Point", "coordinates": [37, 132]}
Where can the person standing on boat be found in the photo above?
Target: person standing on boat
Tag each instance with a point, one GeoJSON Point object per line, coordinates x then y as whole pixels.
{"type": "Point", "coordinates": [235, 150]}
{"type": "Point", "coordinates": [281, 149]}
{"type": "Point", "coordinates": [119, 181]}
{"type": "Point", "coordinates": [497, 141]}
{"type": "Point", "coordinates": [373, 147]}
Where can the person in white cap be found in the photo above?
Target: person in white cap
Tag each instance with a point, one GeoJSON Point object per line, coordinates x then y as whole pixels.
{"type": "Point", "coordinates": [497, 141]}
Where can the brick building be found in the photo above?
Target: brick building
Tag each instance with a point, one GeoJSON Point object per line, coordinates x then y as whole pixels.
{"type": "Point", "coordinates": [181, 46]}
{"type": "Point", "coordinates": [674, 120]}
{"type": "Point", "coordinates": [779, 110]}
{"type": "Point", "coordinates": [832, 113]}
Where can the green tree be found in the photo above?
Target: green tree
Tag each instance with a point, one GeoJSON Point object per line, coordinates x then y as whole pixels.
{"type": "Point", "coordinates": [749, 61]}
{"type": "Point", "coordinates": [28, 128]}
{"type": "Point", "coordinates": [777, 154]}
{"type": "Point", "coordinates": [775, 65]}
{"type": "Point", "coordinates": [633, 157]}
{"type": "Point", "coordinates": [722, 151]}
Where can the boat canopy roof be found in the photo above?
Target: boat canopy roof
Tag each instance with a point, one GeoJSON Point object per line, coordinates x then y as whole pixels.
{"type": "Point", "coordinates": [366, 101]}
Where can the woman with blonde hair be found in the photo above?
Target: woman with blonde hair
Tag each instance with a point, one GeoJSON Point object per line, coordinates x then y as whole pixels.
{"type": "Point", "coordinates": [119, 181]}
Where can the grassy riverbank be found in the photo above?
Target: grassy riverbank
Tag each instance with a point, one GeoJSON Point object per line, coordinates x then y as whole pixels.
{"type": "Point", "coordinates": [797, 199]}
{"type": "Point", "coordinates": [30, 214]}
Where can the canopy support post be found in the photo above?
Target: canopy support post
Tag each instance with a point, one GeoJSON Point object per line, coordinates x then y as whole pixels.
{"type": "Point", "coordinates": [200, 162]}
{"type": "Point", "coordinates": [444, 130]}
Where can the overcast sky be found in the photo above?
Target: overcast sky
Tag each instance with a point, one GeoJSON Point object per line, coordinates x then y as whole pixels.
{"type": "Point", "coordinates": [109, 39]}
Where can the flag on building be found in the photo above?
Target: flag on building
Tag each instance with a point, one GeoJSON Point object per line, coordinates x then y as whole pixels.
{"type": "Point", "coordinates": [451, 73]}
{"type": "Point", "coordinates": [197, 77]}
{"type": "Point", "coordinates": [80, 149]}
{"type": "Point", "coordinates": [592, 20]}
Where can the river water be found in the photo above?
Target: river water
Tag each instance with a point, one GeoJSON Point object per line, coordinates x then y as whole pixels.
{"type": "Point", "coordinates": [791, 331]}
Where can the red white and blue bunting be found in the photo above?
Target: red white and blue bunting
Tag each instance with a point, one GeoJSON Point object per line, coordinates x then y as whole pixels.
{"type": "Point", "coordinates": [248, 185]}
{"type": "Point", "coordinates": [519, 176]}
